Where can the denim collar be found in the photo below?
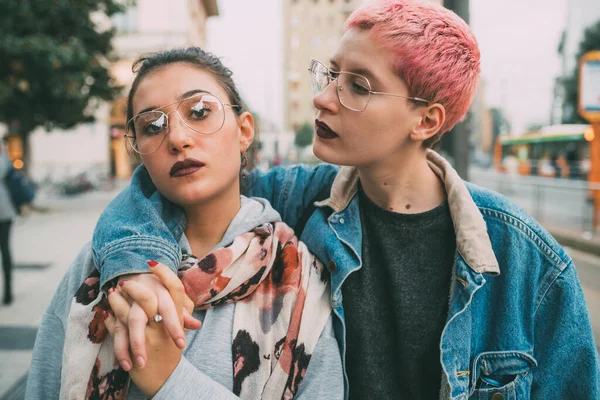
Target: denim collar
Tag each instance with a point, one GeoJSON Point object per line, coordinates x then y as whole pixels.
{"type": "Point", "coordinates": [472, 240]}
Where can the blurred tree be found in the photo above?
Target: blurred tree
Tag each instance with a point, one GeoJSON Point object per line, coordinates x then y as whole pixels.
{"type": "Point", "coordinates": [54, 69]}
{"type": "Point", "coordinates": [590, 41]}
{"type": "Point", "coordinates": [304, 136]}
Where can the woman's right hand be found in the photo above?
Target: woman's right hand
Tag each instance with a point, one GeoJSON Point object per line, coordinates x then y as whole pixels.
{"type": "Point", "coordinates": [131, 340]}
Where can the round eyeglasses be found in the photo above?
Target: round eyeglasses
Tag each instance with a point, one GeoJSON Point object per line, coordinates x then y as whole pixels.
{"type": "Point", "coordinates": [202, 113]}
{"type": "Point", "coordinates": [353, 90]}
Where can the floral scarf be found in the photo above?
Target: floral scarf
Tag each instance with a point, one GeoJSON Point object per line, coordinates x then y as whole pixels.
{"type": "Point", "coordinates": [282, 296]}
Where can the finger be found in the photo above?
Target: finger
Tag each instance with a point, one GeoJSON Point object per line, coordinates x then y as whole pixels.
{"type": "Point", "coordinates": [190, 322]}
{"type": "Point", "coordinates": [122, 346]}
{"type": "Point", "coordinates": [171, 282]}
{"type": "Point", "coordinates": [119, 305]}
{"type": "Point", "coordinates": [109, 322]}
{"type": "Point", "coordinates": [141, 295]}
{"type": "Point", "coordinates": [172, 320]}
{"type": "Point", "coordinates": [138, 321]}
{"type": "Point", "coordinates": [189, 305]}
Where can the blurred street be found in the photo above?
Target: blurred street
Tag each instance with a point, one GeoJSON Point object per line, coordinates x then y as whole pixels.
{"type": "Point", "coordinates": [46, 243]}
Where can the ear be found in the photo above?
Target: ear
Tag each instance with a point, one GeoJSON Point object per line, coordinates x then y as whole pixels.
{"type": "Point", "coordinates": [432, 118]}
{"type": "Point", "coordinates": [246, 126]}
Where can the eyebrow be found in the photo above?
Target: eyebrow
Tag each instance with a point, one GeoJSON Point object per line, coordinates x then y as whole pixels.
{"type": "Point", "coordinates": [185, 95]}
{"type": "Point", "coordinates": [360, 71]}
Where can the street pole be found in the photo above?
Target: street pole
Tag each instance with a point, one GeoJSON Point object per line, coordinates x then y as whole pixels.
{"type": "Point", "coordinates": [458, 144]}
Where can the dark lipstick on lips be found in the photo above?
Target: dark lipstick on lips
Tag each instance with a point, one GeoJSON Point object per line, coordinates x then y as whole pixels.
{"type": "Point", "coordinates": [185, 167]}
{"type": "Point", "coordinates": [323, 131]}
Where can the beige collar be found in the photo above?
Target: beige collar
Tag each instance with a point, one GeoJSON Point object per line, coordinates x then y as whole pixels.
{"type": "Point", "coordinates": [472, 240]}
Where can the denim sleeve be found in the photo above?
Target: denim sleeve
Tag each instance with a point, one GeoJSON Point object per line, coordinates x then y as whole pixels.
{"type": "Point", "coordinates": [138, 225]}
{"type": "Point", "coordinates": [291, 190]}
{"type": "Point", "coordinates": [568, 364]}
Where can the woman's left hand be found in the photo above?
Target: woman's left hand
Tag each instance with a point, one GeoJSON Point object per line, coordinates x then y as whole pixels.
{"type": "Point", "coordinates": [163, 355]}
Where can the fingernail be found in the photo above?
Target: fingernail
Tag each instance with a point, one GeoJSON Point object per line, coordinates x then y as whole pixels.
{"type": "Point", "coordinates": [110, 290]}
{"type": "Point", "coordinates": [140, 361]}
{"type": "Point", "coordinates": [180, 343]}
{"type": "Point", "coordinates": [105, 314]}
{"type": "Point", "coordinates": [122, 283]}
{"type": "Point", "coordinates": [184, 290]}
{"type": "Point", "coordinates": [152, 263]}
{"type": "Point", "coordinates": [125, 365]}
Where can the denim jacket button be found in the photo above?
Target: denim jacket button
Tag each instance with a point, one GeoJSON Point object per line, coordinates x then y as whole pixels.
{"type": "Point", "coordinates": [331, 266]}
{"type": "Point", "coordinates": [342, 221]}
{"type": "Point", "coordinates": [497, 396]}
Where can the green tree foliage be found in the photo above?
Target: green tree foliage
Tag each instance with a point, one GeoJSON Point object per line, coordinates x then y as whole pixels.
{"type": "Point", "coordinates": [304, 136]}
{"type": "Point", "coordinates": [54, 67]}
{"type": "Point", "coordinates": [590, 41]}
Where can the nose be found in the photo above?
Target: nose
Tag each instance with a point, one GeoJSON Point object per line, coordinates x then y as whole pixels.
{"type": "Point", "coordinates": [327, 100]}
{"type": "Point", "coordinates": [179, 137]}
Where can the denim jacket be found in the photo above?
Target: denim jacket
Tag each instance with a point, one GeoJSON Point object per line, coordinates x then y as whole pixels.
{"type": "Point", "coordinates": [517, 324]}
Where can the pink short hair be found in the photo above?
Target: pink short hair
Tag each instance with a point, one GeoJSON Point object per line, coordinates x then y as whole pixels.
{"type": "Point", "coordinates": [434, 51]}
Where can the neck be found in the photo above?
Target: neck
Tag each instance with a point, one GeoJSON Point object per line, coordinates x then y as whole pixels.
{"type": "Point", "coordinates": [207, 222]}
{"type": "Point", "coordinates": [403, 183]}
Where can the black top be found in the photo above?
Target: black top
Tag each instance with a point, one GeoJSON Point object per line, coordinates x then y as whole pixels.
{"type": "Point", "coordinates": [396, 305]}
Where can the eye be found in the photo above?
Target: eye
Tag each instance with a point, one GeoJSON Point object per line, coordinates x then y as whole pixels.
{"type": "Point", "coordinates": [359, 88]}
{"type": "Point", "coordinates": [199, 112]}
{"type": "Point", "coordinates": [153, 127]}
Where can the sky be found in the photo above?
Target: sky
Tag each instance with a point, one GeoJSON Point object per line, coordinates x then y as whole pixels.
{"type": "Point", "coordinates": [518, 40]}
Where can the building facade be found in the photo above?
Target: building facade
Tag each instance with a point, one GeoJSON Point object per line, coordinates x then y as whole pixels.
{"type": "Point", "coordinates": [312, 29]}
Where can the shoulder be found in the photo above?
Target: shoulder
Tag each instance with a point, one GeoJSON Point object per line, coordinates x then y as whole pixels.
{"type": "Point", "coordinates": [299, 172]}
{"type": "Point", "coordinates": [508, 222]}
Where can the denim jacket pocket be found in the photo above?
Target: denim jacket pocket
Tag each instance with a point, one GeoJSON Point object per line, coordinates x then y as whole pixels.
{"type": "Point", "coordinates": [501, 375]}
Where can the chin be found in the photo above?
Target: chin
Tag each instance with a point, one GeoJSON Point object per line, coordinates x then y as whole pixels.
{"type": "Point", "coordinates": [329, 154]}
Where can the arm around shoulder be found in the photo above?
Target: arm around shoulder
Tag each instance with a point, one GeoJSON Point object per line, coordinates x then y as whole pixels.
{"type": "Point", "coordinates": [291, 190]}
{"type": "Point", "coordinates": [138, 225]}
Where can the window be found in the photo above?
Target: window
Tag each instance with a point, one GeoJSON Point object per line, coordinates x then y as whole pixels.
{"type": "Point", "coordinates": [316, 42]}
{"type": "Point", "coordinates": [295, 42]}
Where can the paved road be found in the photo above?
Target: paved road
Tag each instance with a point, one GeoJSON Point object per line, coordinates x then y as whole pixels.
{"type": "Point", "coordinates": [44, 246]}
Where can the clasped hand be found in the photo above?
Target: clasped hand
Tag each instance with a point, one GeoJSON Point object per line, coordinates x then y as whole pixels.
{"type": "Point", "coordinates": [156, 347]}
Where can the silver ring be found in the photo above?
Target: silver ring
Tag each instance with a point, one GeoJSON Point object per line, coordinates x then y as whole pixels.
{"type": "Point", "coordinates": [157, 318]}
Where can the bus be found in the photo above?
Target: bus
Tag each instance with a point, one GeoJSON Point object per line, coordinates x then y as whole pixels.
{"type": "Point", "coordinates": [557, 151]}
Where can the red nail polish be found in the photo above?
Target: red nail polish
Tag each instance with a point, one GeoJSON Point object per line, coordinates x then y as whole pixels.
{"type": "Point", "coordinates": [105, 314]}
{"type": "Point", "coordinates": [184, 290]}
{"type": "Point", "coordinates": [110, 290]}
{"type": "Point", "coordinates": [152, 263]}
{"type": "Point", "coordinates": [122, 283]}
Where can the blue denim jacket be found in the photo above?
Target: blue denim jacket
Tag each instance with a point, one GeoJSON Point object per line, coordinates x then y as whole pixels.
{"type": "Point", "coordinates": [517, 322]}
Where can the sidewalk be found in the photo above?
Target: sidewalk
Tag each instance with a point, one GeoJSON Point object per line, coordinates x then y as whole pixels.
{"type": "Point", "coordinates": [44, 245]}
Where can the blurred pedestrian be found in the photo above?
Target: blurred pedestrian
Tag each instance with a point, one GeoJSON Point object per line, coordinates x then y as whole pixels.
{"type": "Point", "coordinates": [7, 214]}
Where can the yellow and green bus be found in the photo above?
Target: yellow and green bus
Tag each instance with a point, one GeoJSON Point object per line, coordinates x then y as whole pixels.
{"type": "Point", "coordinates": [558, 151]}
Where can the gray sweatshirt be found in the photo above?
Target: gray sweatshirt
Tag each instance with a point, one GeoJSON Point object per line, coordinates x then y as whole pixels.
{"type": "Point", "coordinates": [205, 370]}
